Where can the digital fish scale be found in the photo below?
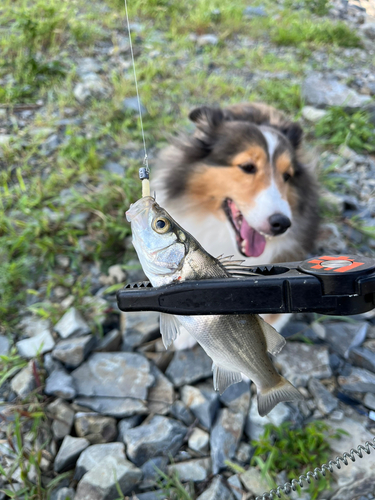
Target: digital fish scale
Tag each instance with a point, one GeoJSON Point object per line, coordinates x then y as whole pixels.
{"type": "Point", "coordinates": [339, 285]}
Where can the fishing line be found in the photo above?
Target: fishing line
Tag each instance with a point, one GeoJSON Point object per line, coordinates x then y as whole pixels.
{"type": "Point", "coordinates": [144, 172]}
{"type": "Point", "coordinates": [291, 486]}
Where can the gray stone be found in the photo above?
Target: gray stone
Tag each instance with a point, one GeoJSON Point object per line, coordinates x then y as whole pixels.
{"type": "Point", "coordinates": [250, 12]}
{"type": "Point", "coordinates": [110, 342]}
{"type": "Point", "coordinates": [324, 400]}
{"type": "Point", "coordinates": [150, 474]}
{"type": "Point", "coordinates": [60, 384]}
{"type": "Point", "coordinates": [125, 424]}
{"type": "Point", "coordinates": [369, 30]}
{"type": "Point", "coordinates": [189, 366]}
{"type": "Point", "coordinates": [118, 374]}
{"type": "Point", "coordinates": [255, 423]}
{"type": "Point", "coordinates": [114, 407]}
{"type": "Point", "coordinates": [32, 325]}
{"type": "Point", "coordinates": [199, 440]}
{"type": "Point", "coordinates": [50, 145]}
{"type": "Point", "coordinates": [72, 352]}
{"type": "Point", "coordinates": [72, 324]}
{"type": "Point", "coordinates": [236, 487]}
{"type": "Point", "coordinates": [244, 453]}
{"type": "Point", "coordinates": [63, 417]}
{"type": "Point", "coordinates": [70, 450]}
{"type": "Point", "coordinates": [63, 494]}
{"type": "Point", "coordinates": [87, 65]}
{"type": "Point", "coordinates": [216, 491]}
{"type": "Point", "coordinates": [24, 382]}
{"type": "Point", "coordinates": [312, 114]}
{"type": "Point", "coordinates": [225, 437]}
{"type": "Point", "coordinates": [131, 104]}
{"type": "Point", "coordinates": [359, 380]}
{"type": "Point", "coordinates": [254, 482]}
{"type": "Point", "coordinates": [299, 362]}
{"type": "Point", "coordinates": [101, 482]}
{"type": "Point", "coordinates": [95, 454]}
{"type": "Point", "coordinates": [51, 364]}
{"type": "Point", "coordinates": [369, 401]}
{"type": "Point", "coordinates": [362, 357]}
{"type": "Point", "coordinates": [151, 495]}
{"type": "Point", "coordinates": [342, 337]}
{"type": "Point", "coordinates": [208, 39]}
{"type": "Point", "coordinates": [160, 436]}
{"type": "Point", "coordinates": [237, 397]}
{"type": "Point", "coordinates": [39, 344]}
{"type": "Point", "coordinates": [95, 428]}
{"type": "Point", "coordinates": [179, 411]}
{"type": "Point", "coordinates": [192, 470]}
{"type": "Point", "coordinates": [93, 86]}
{"type": "Point", "coordinates": [202, 403]}
{"type": "Point", "coordinates": [140, 327]}
{"type": "Point", "coordinates": [161, 394]}
{"type": "Point", "coordinates": [4, 345]}
{"type": "Point", "coordinates": [114, 168]}
{"type": "Point", "coordinates": [323, 92]}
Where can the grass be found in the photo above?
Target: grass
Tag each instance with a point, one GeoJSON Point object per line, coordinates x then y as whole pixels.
{"type": "Point", "coordinates": [172, 487]}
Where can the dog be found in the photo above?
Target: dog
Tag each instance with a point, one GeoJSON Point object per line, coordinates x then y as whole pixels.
{"type": "Point", "coordinates": [240, 186]}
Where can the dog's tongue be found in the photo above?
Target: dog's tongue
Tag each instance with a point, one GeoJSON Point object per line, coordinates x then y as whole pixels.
{"type": "Point", "coordinates": [255, 242]}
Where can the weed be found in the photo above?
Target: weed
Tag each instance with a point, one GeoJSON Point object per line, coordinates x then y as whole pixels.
{"type": "Point", "coordinates": [318, 7]}
{"type": "Point", "coordinates": [10, 364]}
{"type": "Point", "coordinates": [283, 95]}
{"type": "Point", "coordinates": [355, 130]}
{"type": "Point", "coordinates": [172, 487]}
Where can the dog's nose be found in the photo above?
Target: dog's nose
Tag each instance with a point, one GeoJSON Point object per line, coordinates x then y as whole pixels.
{"type": "Point", "coordinates": [279, 223]}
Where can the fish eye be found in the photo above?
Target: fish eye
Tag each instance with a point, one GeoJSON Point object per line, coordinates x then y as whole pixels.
{"type": "Point", "coordinates": [161, 225]}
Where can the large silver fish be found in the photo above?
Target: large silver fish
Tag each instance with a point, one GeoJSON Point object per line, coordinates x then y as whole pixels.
{"type": "Point", "coordinates": [237, 344]}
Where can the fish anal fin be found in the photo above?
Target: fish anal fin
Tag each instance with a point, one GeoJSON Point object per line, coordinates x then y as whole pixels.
{"type": "Point", "coordinates": [169, 328]}
{"type": "Point", "coordinates": [283, 391]}
{"type": "Point", "coordinates": [275, 341]}
{"type": "Point", "coordinates": [224, 378]}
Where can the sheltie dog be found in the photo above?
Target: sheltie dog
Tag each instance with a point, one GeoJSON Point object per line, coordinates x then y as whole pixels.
{"type": "Point", "coordinates": [240, 186]}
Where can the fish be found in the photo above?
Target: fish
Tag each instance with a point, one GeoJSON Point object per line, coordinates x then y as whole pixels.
{"type": "Point", "coordinates": [237, 344]}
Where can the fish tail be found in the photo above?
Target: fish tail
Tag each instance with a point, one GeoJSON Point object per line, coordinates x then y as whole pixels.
{"type": "Point", "coordinates": [269, 398]}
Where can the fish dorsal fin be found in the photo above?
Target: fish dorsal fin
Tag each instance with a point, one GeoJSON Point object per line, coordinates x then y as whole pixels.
{"type": "Point", "coordinates": [275, 341]}
{"type": "Point", "coordinates": [169, 328]}
{"type": "Point", "coordinates": [224, 378]}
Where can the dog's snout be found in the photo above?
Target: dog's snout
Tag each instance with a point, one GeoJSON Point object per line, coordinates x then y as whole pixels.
{"type": "Point", "coordinates": [279, 223]}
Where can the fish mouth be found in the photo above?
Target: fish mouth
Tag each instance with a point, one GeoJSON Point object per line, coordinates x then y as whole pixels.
{"type": "Point", "coordinates": [250, 242]}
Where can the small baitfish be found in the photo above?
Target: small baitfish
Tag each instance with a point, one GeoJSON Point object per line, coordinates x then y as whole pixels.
{"type": "Point", "coordinates": [237, 344]}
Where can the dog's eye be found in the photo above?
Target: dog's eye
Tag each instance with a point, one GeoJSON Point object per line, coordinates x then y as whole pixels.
{"type": "Point", "coordinates": [286, 176]}
{"type": "Point", "coordinates": [249, 168]}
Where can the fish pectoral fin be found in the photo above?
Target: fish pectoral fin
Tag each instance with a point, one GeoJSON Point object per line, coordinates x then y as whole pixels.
{"type": "Point", "coordinates": [275, 341]}
{"type": "Point", "coordinates": [169, 328]}
{"type": "Point", "coordinates": [224, 378]}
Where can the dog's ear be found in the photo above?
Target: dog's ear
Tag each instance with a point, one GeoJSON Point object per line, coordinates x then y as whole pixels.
{"type": "Point", "coordinates": [206, 116]}
{"type": "Point", "coordinates": [293, 131]}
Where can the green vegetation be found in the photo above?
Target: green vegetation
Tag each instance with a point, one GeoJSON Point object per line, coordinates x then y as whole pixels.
{"type": "Point", "coordinates": [172, 487]}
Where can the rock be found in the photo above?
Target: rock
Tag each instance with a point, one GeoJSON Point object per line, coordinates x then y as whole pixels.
{"type": "Point", "coordinates": [72, 352]}
{"type": "Point", "coordinates": [324, 400]}
{"type": "Point", "coordinates": [60, 384]}
{"type": "Point", "coordinates": [131, 104]}
{"type": "Point", "coordinates": [202, 403]}
{"type": "Point", "coordinates": [39, 344]}
{"type": "Point", "coordinates": [95, 428]}
{"type": "Point", "coordinates": [342, 337]}
{"type": "Point", "coordinates": [114, 168]}
{"type": "Point", "coordinates": [236, 487]}
{"type": "Point", "coordinates": [51, 364]}
{"type": "Point", "coordinates": [250, 12]}
{"type": "Point", "coordinates": [70, 450]}
{"type": "Point", "coordinates": [87, 65]}
{"type": "Point", "coordinates": [151, 495]}
{"type": "Point", "coordinates": [4, 345]}
{"type": "Point", "coordinates": [72, 324]}
{"type": "Point", "coordinates": [216, 491]}
{"type": "Point", "coordinates": [110, 342]}
{"type": "Point", "coordinates": [178, 410]}
{"type": "Point", "coordinates": [299, 362]}
{"type": "Point", "coordinates": [101, 482]}
{"type": "Point", "coordinates": [369, 401]}
{"type": "Point", "coordinates": [255, 423]}
{"type": "Point", "coordinates": [150, 474]}
{"type": "Point", "coordinates": [160, 436]}
{"type": "Point", "coordinates": [225, 437]}
{"type": "Point", "coordinates": [254, 482]}
{"type": "Point", "coordinates": [192, 470]}
{"type": "Point", "coordinates": [24, 382]}
{"type": "Point", "coordinates": [312, 114]}
{"type": "Point", "coordinates": [244, 453]}
{"type": "Point", "coordinates": [189, 366]}
{"type": "Point", "coordinates": [140, 327]}
{"type": "Point", "coordinates": [161, 394]}
{"type": "Point", "coordinates": [50, 145]}
{"type": "Point", "coordinates": [114, 407]}
{"type": "Point", "coordinates": [95, 454]}
{"type": "Point", "coordinates": [237, 397]}
{"type": "Point", "coordinates": [63, 417]}
{"type": "Point", "coordinates": [362, 357]}
{"type": "Point", "coordinates": [63, 494]}
{"type": "Point", "coordinates": [118, 374]}
{"type": "Point", "coordinates": [359, 380]}
{"type": "Point", "coordinates": [323, 92]}
{"type": "Point", "coordinates": [198, 441]}
{"type": "Point", "coordinates": [93, 86]}
{"type": "Point", "coordinates": [369, 30]}
{"type": "Point", "coordinates": [208, 39]}
{"type": "Point", "coordinates": [125, 424]}
{"type": "Point", "coordinates": [32, 325]}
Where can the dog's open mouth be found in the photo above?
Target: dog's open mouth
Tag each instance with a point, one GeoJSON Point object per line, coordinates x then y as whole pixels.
{"type": "Point", "coordinates": [249, 241]}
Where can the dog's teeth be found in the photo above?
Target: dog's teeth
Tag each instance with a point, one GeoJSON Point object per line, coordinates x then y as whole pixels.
{"type": "Point", "coordinates": [243, 246]}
